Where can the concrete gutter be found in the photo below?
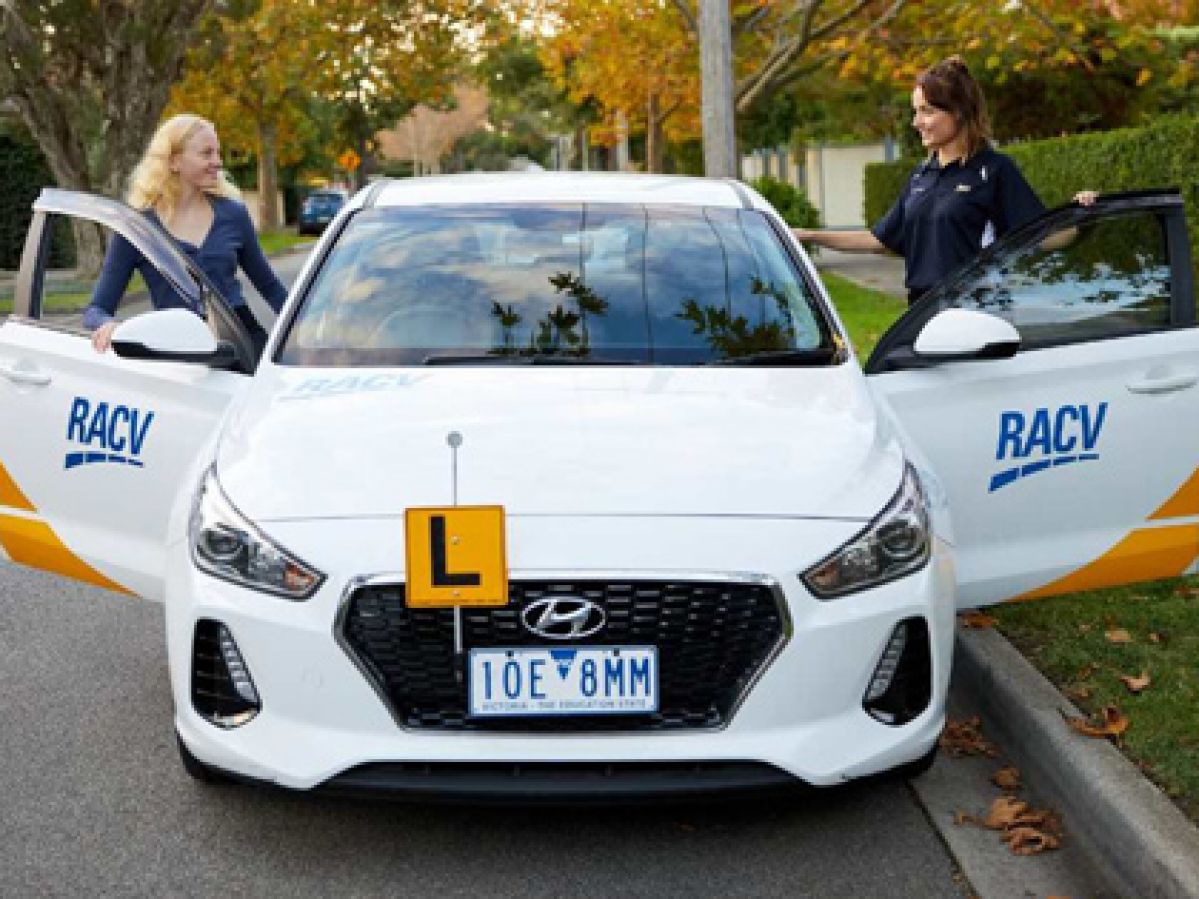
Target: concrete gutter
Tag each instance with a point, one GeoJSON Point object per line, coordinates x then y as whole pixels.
{"type": "Point", "coordinates": [1129, 829]}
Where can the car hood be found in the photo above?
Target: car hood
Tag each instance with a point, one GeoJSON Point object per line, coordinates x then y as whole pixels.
{"type": "Point", "coordinates": [790, 442]}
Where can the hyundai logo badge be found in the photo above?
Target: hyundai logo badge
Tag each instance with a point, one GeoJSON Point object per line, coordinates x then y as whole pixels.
{"type": "Point", "coordinates": [563, 617]}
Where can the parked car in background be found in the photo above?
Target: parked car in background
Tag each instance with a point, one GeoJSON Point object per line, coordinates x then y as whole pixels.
{"type": "Point", "coordinates": [319, 209]}
{"type": "Point", "coordinates": [571, 485]}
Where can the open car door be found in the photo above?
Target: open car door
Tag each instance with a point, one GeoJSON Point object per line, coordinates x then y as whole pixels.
{"type": "Point", "coordinates": [1067, 455]}
{"type": "Point", "coordinates": [94, 448]}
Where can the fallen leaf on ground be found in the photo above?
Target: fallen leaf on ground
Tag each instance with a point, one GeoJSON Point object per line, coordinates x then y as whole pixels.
{"type": "Point", "coordinates": [964, 737]}
{"type": "Point", "coordinates": [1026, 831]}
{"type": "Point", "coordinates": [1078, 694]}
{"type": "Point", "coordinates": [1136, 684]}
{"type": "Point", "coordinates": [1155, 637]}
{"type": "Point", "coordinates": [1004, 812]}
{"type": "Point", "coordinates": [1111, 724]}
{"type": "Point", "coordinates": [1029, 840]}
{"type": "Point", "coordinates": [1007, 778]}
{"type": "Point", "coordinates": [1118, 635]}
{"type": "Point", "coordinates": [977, 620]}
{"type": "Point", "coordinates": [1085, 672]}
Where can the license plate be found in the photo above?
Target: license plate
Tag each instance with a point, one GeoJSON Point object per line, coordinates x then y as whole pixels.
{"type": "Point", "coordinates": [590, 680]}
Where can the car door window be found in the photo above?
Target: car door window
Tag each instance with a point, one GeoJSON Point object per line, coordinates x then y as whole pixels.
{"type": "Point", "coordinates": [1108, 277]}
{"type": "Point", "coordinates": [66, 289]}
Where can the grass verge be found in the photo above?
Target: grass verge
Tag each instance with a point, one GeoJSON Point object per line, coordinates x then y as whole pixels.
{"type": "Point", "coordinates": [283, 239]}
{"type": "Point", "coordinates": [866, 313]}
{"type": "Point", "coordinates": [1085, 642]}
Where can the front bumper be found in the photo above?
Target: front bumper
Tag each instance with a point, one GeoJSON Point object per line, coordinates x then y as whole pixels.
{"type": "Point", "coordinates": [324, 723]}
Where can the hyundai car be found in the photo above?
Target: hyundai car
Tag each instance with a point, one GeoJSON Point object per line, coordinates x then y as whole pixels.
{"type": "Point", "coordinates": [573, 485]}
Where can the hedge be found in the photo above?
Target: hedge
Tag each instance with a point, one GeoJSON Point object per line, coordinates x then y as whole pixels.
{"type": "Point", "coordinates": [1159, 155]}
{"type": "Point", "coordinates": [791, 202]}
{"type": "Point", "coordinates": [23, 173]}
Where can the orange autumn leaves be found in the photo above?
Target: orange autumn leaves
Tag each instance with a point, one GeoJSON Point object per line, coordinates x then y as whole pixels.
{"type": "Point", "coordinates": [1023, 829]}
{"type": "Point", "coordinates": [1109, 721]}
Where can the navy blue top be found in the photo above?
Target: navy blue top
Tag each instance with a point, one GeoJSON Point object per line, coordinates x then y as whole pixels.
{"type": "Point", "coordinates": [941, 216]}
{"type": "Point", "coordinates": [230, 242]}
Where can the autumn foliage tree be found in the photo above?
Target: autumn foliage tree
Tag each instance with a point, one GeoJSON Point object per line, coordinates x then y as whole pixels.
{"type": "Point", "coordinates": [371, 60]}
{"type": "Point", "coordinates": [641, 57]}
{"type": "Point", "coordinates": [90, 79]}
{"type": "Point", "coordinates": [635, 59]}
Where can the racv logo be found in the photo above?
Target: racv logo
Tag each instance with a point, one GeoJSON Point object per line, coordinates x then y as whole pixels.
{"type": "Point", "coordinates": [105, 432]}
{"type": "Point", "coordinates": [1045, 439]}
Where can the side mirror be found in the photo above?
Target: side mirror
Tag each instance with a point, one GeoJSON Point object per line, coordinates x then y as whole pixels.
{"type": "Point", "coordinates": [961, 334]}
{"type": "Point", "coordinates": [171, 335]}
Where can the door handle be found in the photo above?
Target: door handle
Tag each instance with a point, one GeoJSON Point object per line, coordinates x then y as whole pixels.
{"type": "Point", "coordinates": [29, 377]}
{"type": "Point", "coordinates": [1164, 383]}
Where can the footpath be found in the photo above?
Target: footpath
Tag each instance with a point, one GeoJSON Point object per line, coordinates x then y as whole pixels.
{"type": "Point", "coordinates": [1136, 840]}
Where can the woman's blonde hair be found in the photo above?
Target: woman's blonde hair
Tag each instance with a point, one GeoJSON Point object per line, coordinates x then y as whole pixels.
{"type": "Point", "coordinates": [153, 184]}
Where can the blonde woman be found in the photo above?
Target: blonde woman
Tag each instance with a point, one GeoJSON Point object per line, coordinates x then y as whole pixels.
{"type": "Point", "coordinates": [179, 184]}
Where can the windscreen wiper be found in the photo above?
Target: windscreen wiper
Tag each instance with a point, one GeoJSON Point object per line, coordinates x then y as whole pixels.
{"type": "Point", "coordinates": [519, 359]}
{"type": "Point", "coordinates": [816, 356]}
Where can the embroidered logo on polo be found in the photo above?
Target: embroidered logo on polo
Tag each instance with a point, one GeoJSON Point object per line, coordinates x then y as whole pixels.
{"type": "Point", "coordinates": [106, 432]}
{"type": "Point", "coordinates": [1046, 439]}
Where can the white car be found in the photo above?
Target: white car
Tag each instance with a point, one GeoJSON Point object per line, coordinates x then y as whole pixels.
{"type": "Point", "coordinates": [571, 485]}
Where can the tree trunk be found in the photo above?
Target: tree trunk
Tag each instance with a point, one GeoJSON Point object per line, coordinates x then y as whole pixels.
{"type": "Point", "coordinates": [268, 177]}
{"type": "Point", "coordinates": [111, 67]}
{"type": "Point", "coordinates": [654, 137]}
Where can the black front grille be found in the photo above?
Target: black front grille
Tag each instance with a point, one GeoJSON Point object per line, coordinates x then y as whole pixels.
{"type": "Point", "coordinates": [712, 639]}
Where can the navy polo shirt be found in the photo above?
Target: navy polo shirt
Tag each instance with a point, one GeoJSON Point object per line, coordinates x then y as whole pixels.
{"type": "Point", "coordinates": [231, 243]}
{"type": "Point", "coordinates": [943, 213]}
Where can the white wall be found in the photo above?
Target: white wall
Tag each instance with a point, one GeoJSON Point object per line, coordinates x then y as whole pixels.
{"type": "Point", "coordinates": [250, 198]}
{"type": "Point", "coordinates": [832, 177]}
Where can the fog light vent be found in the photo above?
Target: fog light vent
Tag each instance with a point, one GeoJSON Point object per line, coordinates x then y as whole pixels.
{"type": "Point", "coordinates": [901, 687]}
{"type": "Point", "coordinates": [222, 690]}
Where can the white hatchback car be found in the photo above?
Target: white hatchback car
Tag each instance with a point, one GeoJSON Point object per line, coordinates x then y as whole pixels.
{"type": "Point", "coordinates": [571, 485]}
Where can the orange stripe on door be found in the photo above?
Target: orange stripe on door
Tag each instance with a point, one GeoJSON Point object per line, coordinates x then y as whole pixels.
{"type": "Point", "coordinates": [1144, 555]}
{"type": "Point", "coordinates": [11, 495]}
{"type": "Point", "coordinates": [1184, 502]}
{"type": "Point", "coordinates": [33, 543]}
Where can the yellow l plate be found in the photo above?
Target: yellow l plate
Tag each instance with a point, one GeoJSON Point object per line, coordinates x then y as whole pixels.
{"type": "Point", "coordinates": [456, 557]}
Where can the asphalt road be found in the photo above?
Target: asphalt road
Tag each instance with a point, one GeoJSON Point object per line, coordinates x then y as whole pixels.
{"type": "Point", "coordinates": [93, 800]}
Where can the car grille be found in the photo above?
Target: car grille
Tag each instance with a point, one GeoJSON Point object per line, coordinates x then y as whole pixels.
{"type": "Point", "coordinates": [713, 639]}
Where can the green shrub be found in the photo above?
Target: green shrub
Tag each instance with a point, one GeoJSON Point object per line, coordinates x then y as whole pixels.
{"type": "Point", "coordinates": [1158, 155]}
{"type": "Point", "coordinates": [23, 173]}
{"type": "Point", "coordinates": [791, 202]}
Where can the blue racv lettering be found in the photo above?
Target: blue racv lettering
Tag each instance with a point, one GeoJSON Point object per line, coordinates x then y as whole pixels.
{"type": "Point", "coordinates": [1045, 433]}
{"type": "Point", "coordinates": [1048, 438]}
{"type": "Point", "coordinates": [1038, 433]}
{"type": "Point", "coordinates": [1090, 435]}
{"type": "Point", "coordinates": [77, 423]}
{"type": "Point", "coordinates": [1011, 425]}
{"type": "Point", "coordinates": [117, 429]}
{"type": "Point", "coordinates": [1060, 444]}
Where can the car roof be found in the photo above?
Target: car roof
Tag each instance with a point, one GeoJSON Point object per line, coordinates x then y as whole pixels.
{"type": "Point", "coordinates": [562, 187]}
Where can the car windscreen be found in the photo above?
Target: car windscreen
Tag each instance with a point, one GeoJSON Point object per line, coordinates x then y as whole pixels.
{"type": "Point", "coordinates": [560, 284]}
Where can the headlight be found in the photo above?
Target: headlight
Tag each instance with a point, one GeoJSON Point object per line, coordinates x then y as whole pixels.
{"type": "Point", "coordinates": [894, 544]}
{"type": "Point", "coordinates": [227, 545]}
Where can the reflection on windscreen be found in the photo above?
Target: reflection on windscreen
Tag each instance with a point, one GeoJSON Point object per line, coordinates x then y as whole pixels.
{"type": "Point", "coordinates": [666, 285]}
